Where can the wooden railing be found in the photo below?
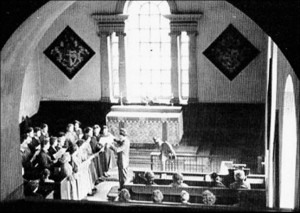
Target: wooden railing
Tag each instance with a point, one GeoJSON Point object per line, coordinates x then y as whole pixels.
{"type": "Point", "coordinates": [191, 162]}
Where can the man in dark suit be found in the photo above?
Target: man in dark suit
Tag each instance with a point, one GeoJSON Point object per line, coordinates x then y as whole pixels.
{"type": "Point", "coordinates": [31, 190]}
{"type": "Point", "coordinates": [216, 180]}
{"type": "Point", "coordinates": [30, 135]}
{"type": "Point", "coordinates": [43, 160]}
{"type": "Point", "coordinates": [121, 148]}
{"type": "Point", "coordinates": [44, 131]}
{"type": "Point", "coordinates": [35, 143]}
{"type": "Point", "coordinates": [95, 145]}
{"type": "Point", "coordinates": [53, 147]}
{"type": "Point", "coordinates": [96, 131]}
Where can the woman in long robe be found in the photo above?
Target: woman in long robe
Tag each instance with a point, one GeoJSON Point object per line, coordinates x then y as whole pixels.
{"type": "Point", "coordinates": [107, 156]}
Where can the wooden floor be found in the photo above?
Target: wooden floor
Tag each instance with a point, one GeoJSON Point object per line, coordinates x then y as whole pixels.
{"type": "Point", "coordinates": [105, 186]}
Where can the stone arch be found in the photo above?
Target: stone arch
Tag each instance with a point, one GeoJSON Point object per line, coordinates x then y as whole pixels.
{"type": "Point", "coordinates": [15, 56]}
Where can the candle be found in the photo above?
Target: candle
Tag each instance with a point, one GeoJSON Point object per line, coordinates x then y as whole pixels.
{"type": "Point", "coordinates": [171, 100]}
{"type": "Point", "coordinates": [121, 99]}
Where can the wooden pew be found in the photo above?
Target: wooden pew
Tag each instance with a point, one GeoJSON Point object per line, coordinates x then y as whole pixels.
{"type": "Point", "coordinates": [180, 205]}
{"type": "Point", "coordinates": [194, 179]}
{"type": "Point", "coordinates": [172, 194]}
{"type": "Point", "coordinates": [59, 189]}
{"type": "Point", "coordinates": [65, 189]}
{"type": "Point", "coordinates": [168, 174]}
{"type": "Point", "coordinates": [113, 194]}
{"type": "Point", "coordinates": [50, 196]}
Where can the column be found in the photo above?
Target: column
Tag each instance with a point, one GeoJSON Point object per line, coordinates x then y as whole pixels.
{"type": "Point", "coordinates": [104, 69]}
{"type": "Point", "coordinates": [174, 66]}
{"type": "Point", "coordinates": [122, 67]}
{"type": "Point", "coordinates": [193, 80]}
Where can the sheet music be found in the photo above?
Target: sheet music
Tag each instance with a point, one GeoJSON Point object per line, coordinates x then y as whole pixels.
{"type": "Point", "coordinates": [59, 153]}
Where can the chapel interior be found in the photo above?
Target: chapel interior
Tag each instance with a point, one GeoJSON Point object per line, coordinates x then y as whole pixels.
{"type": "Point", "coordinates": [202, 75]}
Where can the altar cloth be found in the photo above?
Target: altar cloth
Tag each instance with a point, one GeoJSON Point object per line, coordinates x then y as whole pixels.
{"type": "Point", "coordinates": [145, 122]}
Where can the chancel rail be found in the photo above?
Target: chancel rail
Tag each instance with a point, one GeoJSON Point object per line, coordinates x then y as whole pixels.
{"type": "Point", "coordinates": [190, 162]}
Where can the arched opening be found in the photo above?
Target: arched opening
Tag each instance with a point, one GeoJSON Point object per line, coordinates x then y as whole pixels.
{"type": "Point", "coordinates": [14, 130]}
{"type": "Point", "coordinates": [288, 148]}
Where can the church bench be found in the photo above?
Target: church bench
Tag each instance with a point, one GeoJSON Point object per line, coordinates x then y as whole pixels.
{"type": "Point", "coordinates": [188, 182]}
{"type": "Point", "coordinates": [59, 189]}
{"type": "Point", "coordinates": [50, 196]}
{"type": "Point", "coordinates": [68, 189]}
{"type": "Point", "coordinates": [168, 175]}
{"type": "Point", "coordinates": [196, 206]}
{"type": "Point", "coordinates": [194, 179]}
{"type": "Point", "coordinates": [179, 204]}
{"type": "Point", "coordinates": [172, 194]}
{"type": "Point", "coordinates": [252, 178]}
{"type": "Point", "coordinates": [202, 183]}
{"type": "Point", "coordinates": [113, 194]}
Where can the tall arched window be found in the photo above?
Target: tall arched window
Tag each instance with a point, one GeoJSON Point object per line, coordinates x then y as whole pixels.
{"type": "Point", "coordinates": [148, 51]}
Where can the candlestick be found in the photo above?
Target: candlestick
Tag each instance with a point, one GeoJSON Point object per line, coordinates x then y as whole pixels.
{"type": "Point", "coordinates": [121, 99]}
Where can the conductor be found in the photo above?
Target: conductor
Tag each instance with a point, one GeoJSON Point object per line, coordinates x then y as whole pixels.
{"type": "Point", "coordinates": [121, 148]}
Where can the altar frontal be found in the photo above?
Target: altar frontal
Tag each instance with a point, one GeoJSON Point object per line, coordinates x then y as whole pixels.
{"type": "Point", "coordinates": [145, 122]}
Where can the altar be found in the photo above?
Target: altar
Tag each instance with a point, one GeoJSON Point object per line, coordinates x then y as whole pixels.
{"type": "Point", "coordinates": [144, 122]}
